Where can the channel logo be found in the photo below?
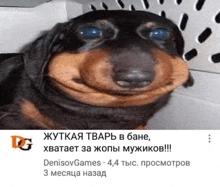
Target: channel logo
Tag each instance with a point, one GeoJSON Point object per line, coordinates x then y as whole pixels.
{"type": "Point", "coordinates": [25, 144]}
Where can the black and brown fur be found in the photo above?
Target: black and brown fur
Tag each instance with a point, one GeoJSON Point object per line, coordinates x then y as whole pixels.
{"type": "Point", "coordinates": [117, 81]}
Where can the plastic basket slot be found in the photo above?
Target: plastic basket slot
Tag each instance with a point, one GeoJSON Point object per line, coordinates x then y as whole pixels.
{"type": "Point", "coordinates": [121, 4]}
{"type": "Point", "coordinates": [184, 21]}
{"type": "Point", "coordinates": [146, 4]}
{"type": "Point", "coordinates": [191, 54]}
{"type": "Point", "coordinates": [204, 35]}
{"type": "Point", "coordinates": [200, 4]}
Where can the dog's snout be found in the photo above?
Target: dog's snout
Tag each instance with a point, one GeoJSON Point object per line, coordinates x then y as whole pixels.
{"type": "Point", "coordinates": [133, 78]}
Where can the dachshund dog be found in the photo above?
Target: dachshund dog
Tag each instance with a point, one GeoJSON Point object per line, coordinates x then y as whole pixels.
{"type": "Point", "coordinates": [102, 70]}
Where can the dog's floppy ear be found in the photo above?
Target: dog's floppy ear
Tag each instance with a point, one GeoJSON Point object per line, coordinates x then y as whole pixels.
{"type": "Point", "coordinates": [10, 68]}
{"type": "Point", "coordinates": [10, 72]}
{"type": "Point", "coordinates": [189, 82]}
{"type": "Point", "coordinates": [38, 53]}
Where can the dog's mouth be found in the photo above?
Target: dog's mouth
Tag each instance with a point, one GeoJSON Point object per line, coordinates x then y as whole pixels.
{"type": "Point", "coordinates": [89, 89]}
{"type": "Point", "coordinates": [87, 77]}
{"type": "Point", "coordinates": [117, 92]}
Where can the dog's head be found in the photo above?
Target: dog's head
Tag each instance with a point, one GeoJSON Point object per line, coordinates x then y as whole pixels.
{"type": "Point", "coordinates": [109, 59]}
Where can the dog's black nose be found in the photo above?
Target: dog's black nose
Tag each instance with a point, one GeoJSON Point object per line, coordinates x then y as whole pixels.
{"type": "Point", "coordinates": [133, 78]}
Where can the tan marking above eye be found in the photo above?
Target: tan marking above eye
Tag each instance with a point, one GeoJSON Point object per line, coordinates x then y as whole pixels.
{"type": "Point", "coordinates": [95, 84]}
{"type": "Point", "coordinates": [149, 25]}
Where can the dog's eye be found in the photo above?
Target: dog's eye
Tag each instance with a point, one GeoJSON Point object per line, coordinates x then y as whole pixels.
{"type": "Point", "coordinates": [91, 33]}
{"type": "Point", "coordinates": [159, 34]}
